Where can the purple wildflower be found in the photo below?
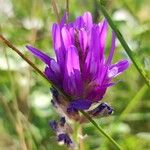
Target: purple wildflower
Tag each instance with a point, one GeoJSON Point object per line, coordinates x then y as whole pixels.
{"type": "Point", "coordinates": [81, 69]}
{"type": "Point", "coordinates": [65, 138]}
{"type": "Point", "coordinates": [53, 124]}
{"type": "Point", "coordinates": [103, 109]}
{"type": "Point", "coordinates": [62, 131]}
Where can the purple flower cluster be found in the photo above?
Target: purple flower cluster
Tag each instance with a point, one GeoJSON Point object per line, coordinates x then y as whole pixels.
{"type": "Point", "coordinates": [81, 68]}
{"type": "Point", "coordinates": [62, 131]}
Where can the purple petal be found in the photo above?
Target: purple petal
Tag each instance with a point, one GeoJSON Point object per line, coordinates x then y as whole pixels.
{"type": "Point", "coordinates": [79, 23]}
{"type": "Point", "coordinates": [107, 85]}
{"type": "Point", "coordinates": [55, 67]}
{"type": "Point", "coordinates": [103, 35]}
{"type": "Point", "coordinates": [92, 60]}
{"type": "Point", "coordinates": [87, 17]}
{"type": "Point", "coordinates": [44, 57]}
{"type": "Point", "coordinates": [80, 104]}
{"type": "Point", "coordinates": [112, 49]}
{"type": "Point", "coordinates": [112, 72]}
{"type": "Point", "coordinates": [118, 68]}
{"type": "Point", "coordinates": [95, 43]}
{"type": "Point", "coordinates": [72, 33]}
{"type": "Point", "coordinates": [56, 36]}
{"type": "Point", "coordinates": [87, 62]}
{"type": "Point", "coordinates": [53, 76]}
{"type": "Point", "coordinates": [63, 20]}
{"type": "Point", "coordinates": [53, 124]}
{"type": "Point", "coordinates": [94, 69]}
{"type": "Point", "coordinates": [66, 37]}
{"type": "Point", "coordinates": [58, 46]}
{"type": "Point", "coordinates": [65, 138]}
{"type": "Point", "coordinates": [62, 121]}
{"type": "Point", "coordinates": [49, 73]}
{"type": "Point", "coordinates": [102, 74]}
{"type": "Point", "coordinates": [72, 77]}
{"type": "Point", "coordinates": [72, 60]}
{"type": "Point", "coordinates": [96, 94]}
{"type": "Point", "coordinates": [83, 39]}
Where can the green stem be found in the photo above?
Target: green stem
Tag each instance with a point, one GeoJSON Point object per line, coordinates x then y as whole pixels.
{"type": "Point", "coordinates": [2, 39]}
{"type": "Point", "coordinates": [133, 58]}
{"type": "Point", "coordinates": [102, 131]}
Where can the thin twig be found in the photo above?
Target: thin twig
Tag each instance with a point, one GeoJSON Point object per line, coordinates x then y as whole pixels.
{"type": "Point", "coordinates": [67, 9]}
{"type": "Point", "coordinates": [55, 10]}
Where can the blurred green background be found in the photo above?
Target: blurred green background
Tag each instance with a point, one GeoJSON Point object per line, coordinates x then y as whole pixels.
{"type": "Point", "coordinates": [25, 107]}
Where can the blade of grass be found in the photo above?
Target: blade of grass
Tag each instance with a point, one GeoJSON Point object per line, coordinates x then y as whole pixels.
{"type": "Point", "coordinates": [18, 123]}
{"type": "Point", "coordinates": [102, 131]}
{"type": "Point", "coordinates": [132, 56]}
{"type": "Point", "coordinates": [126, 112]}
{"type": "Point", "coordinates": [134, 102]}
{"type": "Point", "coordinates": [2, 39]}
